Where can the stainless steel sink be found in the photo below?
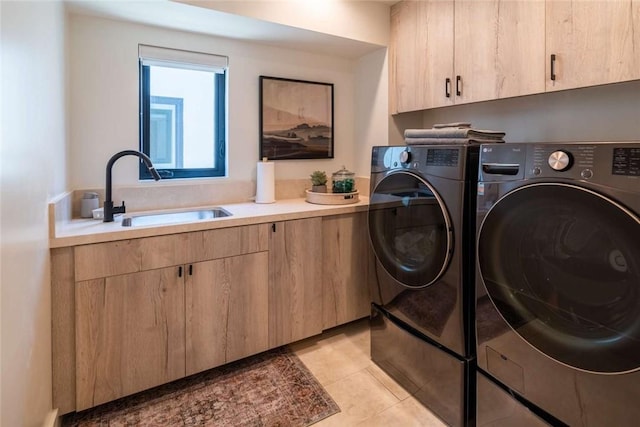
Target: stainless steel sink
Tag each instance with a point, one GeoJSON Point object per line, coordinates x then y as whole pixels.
{"type": "Point", "coordinates": [173, 217]}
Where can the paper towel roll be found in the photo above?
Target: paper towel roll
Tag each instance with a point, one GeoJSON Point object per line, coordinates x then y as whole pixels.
{"type": "Point", "coordinates": [266, 182]}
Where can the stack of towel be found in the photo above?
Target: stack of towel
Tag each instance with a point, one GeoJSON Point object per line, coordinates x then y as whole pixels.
{"type": "Point", "coordinates": [451, 133]}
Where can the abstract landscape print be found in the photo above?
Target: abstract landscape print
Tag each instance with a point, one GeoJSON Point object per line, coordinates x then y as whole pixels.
{"type": "Point", "coordinates": [296, 119]}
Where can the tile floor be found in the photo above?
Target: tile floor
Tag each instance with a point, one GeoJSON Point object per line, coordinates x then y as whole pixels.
{"type": "Point", "coordinates": [367, 396]}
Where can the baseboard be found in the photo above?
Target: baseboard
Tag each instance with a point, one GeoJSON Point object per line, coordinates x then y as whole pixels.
{"type": "Point", "coordinates": [52, 419]}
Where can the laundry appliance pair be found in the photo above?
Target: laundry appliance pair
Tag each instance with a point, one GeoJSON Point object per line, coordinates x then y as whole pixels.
{"type": "Point", "coordinates": [549, 237]}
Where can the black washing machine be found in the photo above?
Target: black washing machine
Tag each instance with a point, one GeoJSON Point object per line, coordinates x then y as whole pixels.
{"type": "Point", "coordinates": [421, 227]}
{"type": "Point", "coordinates": [558, 278]}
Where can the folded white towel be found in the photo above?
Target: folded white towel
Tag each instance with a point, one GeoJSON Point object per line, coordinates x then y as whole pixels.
{"type": "Point", "coordinates": [453, 133]}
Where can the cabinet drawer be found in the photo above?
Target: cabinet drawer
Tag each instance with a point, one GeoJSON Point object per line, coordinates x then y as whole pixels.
{"type": "Point", "coordinates": [133, 255]}
{"type": "Point", "coordinates": [226, 242]}
{"type": "Point", "coordinates": [130, 256]}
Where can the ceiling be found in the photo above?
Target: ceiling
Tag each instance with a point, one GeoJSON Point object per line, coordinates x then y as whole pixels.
{"type": "Point", "coordinates": [179, 16]}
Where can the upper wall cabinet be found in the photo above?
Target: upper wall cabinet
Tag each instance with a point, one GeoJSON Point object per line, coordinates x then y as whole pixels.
{"type": "Point", "coordinates": [454, 52]}
{"type": "Point", "coordinates": [499, 49]}
{"type": "Point", "coordinates": [592, 43]}
{"type": "Point", "coordinates": [421, 55]}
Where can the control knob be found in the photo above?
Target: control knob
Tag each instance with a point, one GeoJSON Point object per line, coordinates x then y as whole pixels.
{"type": "Point", "coordinates": [560, 160]}
{"type": "Point", "coordinates": [405, 156]}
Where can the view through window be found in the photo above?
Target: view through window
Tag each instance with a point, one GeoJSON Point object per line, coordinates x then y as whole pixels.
{"type": "Point", "coordinates": [182, 113]}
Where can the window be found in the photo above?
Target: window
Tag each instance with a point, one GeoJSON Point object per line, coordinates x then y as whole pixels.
{"type": "Point", "coordinates": [182, 112]}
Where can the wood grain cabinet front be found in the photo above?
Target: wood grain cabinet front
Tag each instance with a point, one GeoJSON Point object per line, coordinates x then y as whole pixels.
{"type": "Point", "coordinates": [591, 43]}
{"type": "Point", "coordinates": [446, 52]}
{"type": "Point", "coordinates": [226, 310]}
{"type": "Point", "coordinates": [129, 334]}
{"type": "Point", "coordinates": [421, 55]}
{"type": "Point", "coordinates": [499, 49]}
{"type": "Point", "coordinates": [133, 314]}
{"type": "Point", "coordinates": [133, 255]}
{"type": "Point", "coordinates": [295, 280]}
{"type": "Point", "coordinates": [347, 269]}
{"type": "Point", "coordinates": [140, 330]}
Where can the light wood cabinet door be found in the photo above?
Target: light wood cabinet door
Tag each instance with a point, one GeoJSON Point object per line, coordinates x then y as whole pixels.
{"type": "Point", "coordinates": [207, 314]}
{"type": "Point", "coordinates": [499, 49]}
{"type": "Point", "coordinates": [295, 280]}
{"type": "Point", "coordinates": [347, 263]}
{"type": "Point", "coordinates": [248, 330]}
{"type": "Point", "coordinates": [129, 334]}
{"type": "Point", "coordinates": [594, 42]}
{"type": "Point", "coordinates": [227, 315]}
{"type": "Point", "coordinates": [421, 55]}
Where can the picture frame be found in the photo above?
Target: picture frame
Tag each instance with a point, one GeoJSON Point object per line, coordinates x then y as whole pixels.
{"type": "Point", "coordinates": [296, 119]}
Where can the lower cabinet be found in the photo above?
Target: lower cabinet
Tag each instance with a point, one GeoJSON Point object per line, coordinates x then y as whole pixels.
{"type": "Point", "coordinates": [347, 263]}
{"type": "Point", "coordinates": [137, 331]}
{"type": "Point", "coordinates": [295, 280]}
{"type": "Point", "coordinates": [226, 310]}
{"type": "Point", "coordinates": [134, 314]}
{"type": "Point", "coordinates": [129, 334]}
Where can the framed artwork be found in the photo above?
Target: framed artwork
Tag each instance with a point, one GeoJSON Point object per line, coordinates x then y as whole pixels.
{"type": "Point", "coordinates": [296, 119]}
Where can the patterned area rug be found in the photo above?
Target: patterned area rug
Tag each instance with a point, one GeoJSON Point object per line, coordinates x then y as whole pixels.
{"type": "Point", "coordinates": [270, 389]}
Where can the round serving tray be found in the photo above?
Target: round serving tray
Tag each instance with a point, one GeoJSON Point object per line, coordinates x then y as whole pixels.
{"type": "Point", "coordinates": [332, 198]}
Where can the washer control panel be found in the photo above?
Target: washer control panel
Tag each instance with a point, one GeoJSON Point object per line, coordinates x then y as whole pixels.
{"type": "Point", "coordinates": [604, 163]}
{"type": "Point", "coordinates": [555, 160]}
{"type": "Point", "coordinates": [626, 161]}
{"type": "Point", "coordinates": [447, 161]}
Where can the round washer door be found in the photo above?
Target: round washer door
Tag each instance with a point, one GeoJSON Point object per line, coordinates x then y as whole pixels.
{"type": "Point", "coordinates": [561, 264]}
{"type": "Point", "coordinates": [410, 229]}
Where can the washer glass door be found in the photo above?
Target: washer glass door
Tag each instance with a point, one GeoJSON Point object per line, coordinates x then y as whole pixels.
{"type": "Point", "coordinates": [561, 264]}
{"type": "Point", "coordinates": [409, 229]}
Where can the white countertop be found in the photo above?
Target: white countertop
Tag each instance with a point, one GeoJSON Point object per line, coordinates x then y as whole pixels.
{"type": "Point", "coordinates": [87, 231]}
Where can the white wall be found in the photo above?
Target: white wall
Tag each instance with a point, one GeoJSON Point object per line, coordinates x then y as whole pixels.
{"type": "Point", "coordinates": [33, 163]}
{"type": "Point", "coordinates": [371, 108]}
{"type": "Point", "coordinates": [600, 113]}
{"type": "Point", "coordinates": [104, 98]}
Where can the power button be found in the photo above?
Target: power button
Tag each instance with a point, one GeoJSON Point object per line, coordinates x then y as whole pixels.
{"type": "Point", "coordinates": [586, 173]}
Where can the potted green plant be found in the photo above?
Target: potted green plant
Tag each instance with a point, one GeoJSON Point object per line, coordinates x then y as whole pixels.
{"type": "Point", "coordinates": [319, 182]}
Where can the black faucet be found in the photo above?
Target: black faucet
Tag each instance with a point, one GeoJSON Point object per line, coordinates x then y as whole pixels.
{"type": "Point", "coordinates": [109, 209]}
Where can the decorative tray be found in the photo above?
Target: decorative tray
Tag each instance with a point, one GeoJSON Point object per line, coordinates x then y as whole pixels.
{"type": "Point", "coordinates": [332, 198]}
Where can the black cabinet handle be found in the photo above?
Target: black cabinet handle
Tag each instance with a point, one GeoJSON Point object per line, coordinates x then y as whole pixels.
{"type": "Point", "coordinates": [553, 66]}
{"type": "Point", "coordinates": [180, 271]}
{"type": "Point", "coordinates": [190, 269]}
{"type": "Point", "coordinates": [447, 87]}
{"type": "Point", "coordinates": [273, 227]}
{"type": "Point", "coordinates": [458, 85]}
